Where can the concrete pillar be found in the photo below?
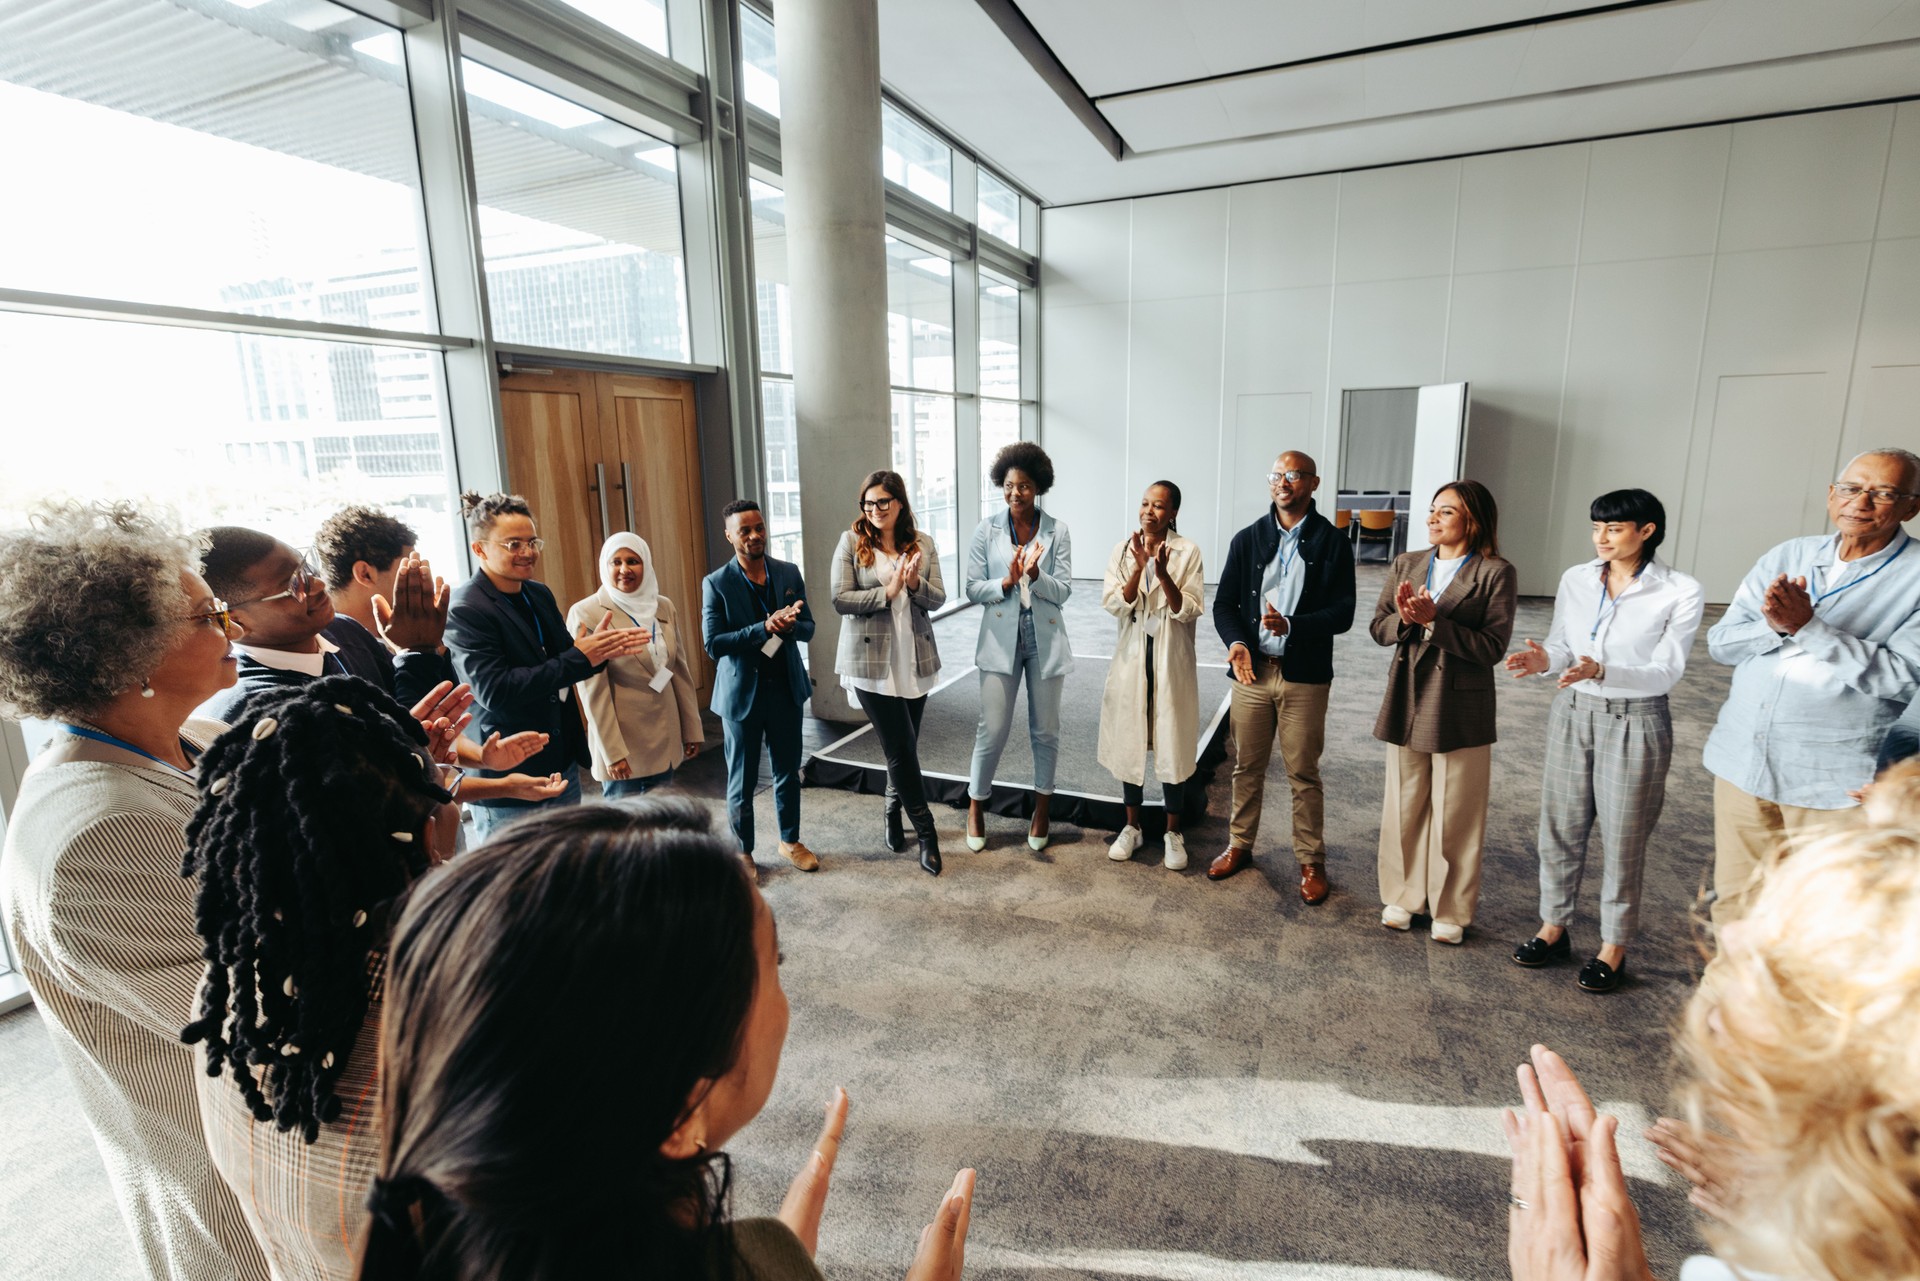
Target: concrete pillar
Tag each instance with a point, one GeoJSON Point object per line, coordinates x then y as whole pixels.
{"type": "Point", "coordinates": [836, 257]}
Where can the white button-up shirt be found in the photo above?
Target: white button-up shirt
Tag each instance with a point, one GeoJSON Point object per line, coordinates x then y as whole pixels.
{"type": "Point", "coordinates": [1640, 636]}
{"type": "Point", "coordinates": [1280, 586]}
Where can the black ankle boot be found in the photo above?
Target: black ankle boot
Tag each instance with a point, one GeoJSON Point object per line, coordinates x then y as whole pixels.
{"type": "Point", "coordinates": [929, 840]}
{"type": "Point", "coordinates": [896, 837]}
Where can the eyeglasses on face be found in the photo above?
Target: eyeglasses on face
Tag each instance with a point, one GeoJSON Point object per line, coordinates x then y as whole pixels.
{"type": "Point", "coordinates": [876, 504]}
{"type": "Point", "coordinates": [1847, 492]}
{"type": "Point", "coordinates": [514, 546]}
{"type": "Point", "coordinates": [219, 616]}
{"type": "Point", "coordinates": [305, 584]}
{"type": "Point", "coordinates": [1292, 477]}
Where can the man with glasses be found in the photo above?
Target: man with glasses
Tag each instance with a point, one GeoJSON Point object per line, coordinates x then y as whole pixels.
{"type": "Point", "coordinates": [1287, 590]}
{"type": "Point", "coordinates": [1824, 640]}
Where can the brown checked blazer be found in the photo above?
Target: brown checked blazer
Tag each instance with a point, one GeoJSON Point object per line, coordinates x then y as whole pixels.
{"type": "Point", "coordinates": [1440, 687]}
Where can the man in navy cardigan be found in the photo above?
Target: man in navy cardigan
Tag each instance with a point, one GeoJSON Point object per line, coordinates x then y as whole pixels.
{"type": "Point", "coordinates": [1286, 592]}
{"type": "Point", "coordinates": [755, 618]}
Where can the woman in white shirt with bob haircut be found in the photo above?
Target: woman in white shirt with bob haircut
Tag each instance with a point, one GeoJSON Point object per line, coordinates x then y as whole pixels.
{"type": "Point", "coordinates": [1622, 625]}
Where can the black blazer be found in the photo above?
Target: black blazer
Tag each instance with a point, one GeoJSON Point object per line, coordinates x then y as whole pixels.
{"type": "Point", "coordinates": [518, 667]}
{"type": "Point", "coordinates": [1326, 598]}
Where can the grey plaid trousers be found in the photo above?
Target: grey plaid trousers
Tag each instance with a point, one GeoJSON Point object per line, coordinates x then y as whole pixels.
{"type": "Point", "coordinates": [1606, 759]}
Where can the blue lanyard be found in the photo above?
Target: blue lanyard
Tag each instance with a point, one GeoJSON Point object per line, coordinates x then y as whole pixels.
{"type": "Point", "coordinates": [1431, 560]}
{"type": "Point", "coordinates": [533, 616]}
{"type": "Point", "coordinates": [1905, 538]}
{"type": "Point", "coordinates": [101, 736]}
{"type": "Point", "coordinates": [653, 633]}
{"type": "Point", "coordinates": [1608, 604]}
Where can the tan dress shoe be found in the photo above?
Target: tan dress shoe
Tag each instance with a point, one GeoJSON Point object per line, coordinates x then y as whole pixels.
{"type": "Point", "coordinates": [800, 856]}
{"type": "Point", "coordinates": [1313, 883]}
{"type": "Point", "coordinates": [1227, 864]}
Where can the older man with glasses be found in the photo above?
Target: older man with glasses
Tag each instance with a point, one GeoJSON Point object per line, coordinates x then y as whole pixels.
{"type": "Point", "coordinates": [1824, 640]}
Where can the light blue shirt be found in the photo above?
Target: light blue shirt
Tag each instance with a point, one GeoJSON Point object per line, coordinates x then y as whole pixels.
{"type": "Point", "coordinates": [1807, 712]}
{"type": "Point", "coordinates": [1285, 578]}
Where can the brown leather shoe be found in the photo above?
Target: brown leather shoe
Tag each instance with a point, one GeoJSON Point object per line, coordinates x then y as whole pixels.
{"type": "Point", "coordinates": [1313, 883]}
{"type": "Point", "coordinates": [800, 856]}
{"type": "Point", "coordinates": [1227, 864]}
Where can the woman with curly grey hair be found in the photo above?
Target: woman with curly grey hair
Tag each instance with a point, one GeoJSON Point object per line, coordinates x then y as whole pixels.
{"type": "Point", "coordinates": [107, 629]}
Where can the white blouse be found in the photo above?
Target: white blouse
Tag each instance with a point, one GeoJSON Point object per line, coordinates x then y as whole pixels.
{"type": "Point", "coordinates": [1641, 636]}
{"type": "Point", "coordinates": [900, 681]}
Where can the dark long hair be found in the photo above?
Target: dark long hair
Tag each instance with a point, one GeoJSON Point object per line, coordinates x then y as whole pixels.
{"type": "Point", "coordinates": [553, 1000]}
{"type": "Point", "coordinates": [308, 829]}
{"type": "Point", "coordinates": [867, 534]}
{"type": "Point", "coordinates": [1483, 515]}
{"type": "Point", "coordinates": [1638, 507]}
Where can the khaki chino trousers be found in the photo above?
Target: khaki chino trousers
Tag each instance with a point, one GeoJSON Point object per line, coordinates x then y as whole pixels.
{"type": "Point", "coordinates": [1297, 713]}
{"type": "Point", "coordinates": [1433, 830]}
{"type": "Point", "coordinates": [1746, 833]}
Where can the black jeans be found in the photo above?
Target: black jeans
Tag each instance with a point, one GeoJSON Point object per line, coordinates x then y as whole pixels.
{"type": "Point", "coordinates": [897, 723]}
{"type": "Point", "coordinates": [1134, 794]}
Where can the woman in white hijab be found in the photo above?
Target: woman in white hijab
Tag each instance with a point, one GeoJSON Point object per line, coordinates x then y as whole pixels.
{"type": "Point", "coordinates": [642, 715]}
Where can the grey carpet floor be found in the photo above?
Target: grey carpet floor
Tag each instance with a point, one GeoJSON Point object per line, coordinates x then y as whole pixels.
{"type": "Point", "coordinates": [1156, 1076]}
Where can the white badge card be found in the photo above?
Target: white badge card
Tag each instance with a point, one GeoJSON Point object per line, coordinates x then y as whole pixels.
{"type": "Point", "coordinates": [566, 692]}
{"type": "Point", "coordinates": [1153, 625]}
{"type": "Point", "coordinates": [660, 679]}
{"type": "Point", "coordinates": [772, 646]}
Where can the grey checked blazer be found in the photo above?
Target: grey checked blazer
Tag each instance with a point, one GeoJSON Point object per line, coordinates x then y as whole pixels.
{"type": "Point", "coordinates": [1440, 687]}
{"type": "Point", "coordinates": [865, 651]}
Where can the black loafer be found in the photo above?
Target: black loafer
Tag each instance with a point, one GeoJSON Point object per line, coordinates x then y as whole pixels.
{"type": "Point", "coordinates": [1536, 952]}
{"type": "Point", "coordinates": [1597, 976]}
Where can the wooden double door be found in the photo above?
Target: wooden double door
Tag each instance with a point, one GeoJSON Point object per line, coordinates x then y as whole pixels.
{"type": "Point", "coordinates": [597, 453]}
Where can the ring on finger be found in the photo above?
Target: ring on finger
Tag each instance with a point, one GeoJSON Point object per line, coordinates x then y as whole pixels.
{"type": "Point", "coordinates": [1513, 1199]}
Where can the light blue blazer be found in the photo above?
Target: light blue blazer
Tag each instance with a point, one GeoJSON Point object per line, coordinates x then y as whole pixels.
{"type": "Point", "coordinates": [987, 562]}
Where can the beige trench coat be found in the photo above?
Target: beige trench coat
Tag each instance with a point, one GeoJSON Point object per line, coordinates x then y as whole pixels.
{"type": "Point", "coordinates": [625, 719]}
{"type": "Point", "coordinates": [1175, 733]}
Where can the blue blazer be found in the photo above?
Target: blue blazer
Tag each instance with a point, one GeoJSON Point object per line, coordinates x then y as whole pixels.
{"type": "Point", "coordinates": [521, 671]}
{"type": "Point", "coordinates": [987, 562]}
{"type": "Point", "coordinates": [734, 624]}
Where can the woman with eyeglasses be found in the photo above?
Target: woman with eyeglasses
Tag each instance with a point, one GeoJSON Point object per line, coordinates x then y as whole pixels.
{"type": "Point", "coordinates": [643, 717]}
{"type": "Point", "coordinates": [511, 644]}
{"type": "Point", "coordinates": [1622, 625]}
{"type": "Point", "coordinates": [1020, 572]}
{"type": "Point", "coordinates": [108, 631]}
{"type": "Point", "coordinates": [886, 581]}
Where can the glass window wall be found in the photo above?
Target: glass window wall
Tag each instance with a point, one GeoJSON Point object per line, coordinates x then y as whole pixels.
{"type": "Point", "coordinates": [760, 68]}
{"type": "Point", "coordinates": [999, 214]}
{"type": "Point", "coordinates": [641, 21]}
{"type": "Point", "coordinates": [912, 157]}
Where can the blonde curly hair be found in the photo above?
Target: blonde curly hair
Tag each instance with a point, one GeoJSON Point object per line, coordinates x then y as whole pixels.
{"type": "Point", "coordinates": [1804, 1055]}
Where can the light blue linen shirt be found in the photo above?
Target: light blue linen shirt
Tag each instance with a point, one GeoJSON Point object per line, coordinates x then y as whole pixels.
{"type": "Point", "coordinates": [1807, 712]}
{"type": "Point", "coordinates": [1282, 582]}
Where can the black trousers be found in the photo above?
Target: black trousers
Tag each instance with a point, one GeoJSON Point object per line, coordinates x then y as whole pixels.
{"type": "Point", "coordinates": [1135, 794]}
{"type": "Point", "coordinates": [897, 723]}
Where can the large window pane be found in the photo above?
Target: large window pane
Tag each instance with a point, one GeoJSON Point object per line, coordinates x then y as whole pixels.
{"type": "Point", "coordinates": [274, 433]}
{"type": "Point", "coordinates": [913, 158]}
{"type": "Point", "coordinates": [641, 21]}
{"type": "Point", "coordinates": [999, 338]}
{"type": "Point", "coordinates": [238, 158]}
{"type": "Point", "coordinates": [919, 317]}
{"type": "Point", "coordinates": [771, 295]}
{"type": "Point", "coordinates": [783, 469]}
{"type": "Point", "coordinates": [579, 224]}
{"type": "Point", "coordinates": [760, 69]}
{"type": "Point", "coordinates": [999, 427]}
{"type": "Point", "coordinates": [923, 453]}
{"type": "Point", "coordinates": [999, 209]}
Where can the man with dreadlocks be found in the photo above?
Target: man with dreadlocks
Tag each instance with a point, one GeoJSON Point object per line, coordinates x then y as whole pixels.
{"type": "Point", "coordinates": [316, 814]}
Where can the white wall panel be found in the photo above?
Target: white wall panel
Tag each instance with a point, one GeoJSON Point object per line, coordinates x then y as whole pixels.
{"type": "Point", "coordinates": [1264, 427]}
{"type": "Point", "coordinates": [1880, 410]}
{"type": "Point", "coordinates": [1083, 411]}
{"type": "Point", "coordinates": [1180, 245]}
{"type": "Point", "coordinates": [1389, 333]}
{"type": "Point", "coordinates": [1397, 223]}
{"type": "Point", "coordinates": [1771, 443]}
{"type": "Point", "coordinates": [1655, 196]}
{"type": "Point", "coordinates": [1520, 209]}
{"type": "Point", "coordinates": [1273, 382]}
{"type": "Point", "coordinates": [1632, 376]}
{"type": "Point", "coordinates": [1508, 338]}
{"type": "Point", "coordinates": [1805, 180]}
{"type": "Point", "coordinates": [1086, 258]}
{"type": "Point", "coordinates": [1900, 201]}
{"type": "Point", "coordinates": [1174, 428]}
{"type": "Point", "coordinates": [1280, 235]}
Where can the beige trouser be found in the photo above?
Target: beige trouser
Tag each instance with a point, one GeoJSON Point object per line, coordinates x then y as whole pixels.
{"type": "Point", "coordinates": [1746, 833]}
{"type": "Point", "coordinates": [1433, 825]}
{"type": "Point", "coordinates": [1299, 713]}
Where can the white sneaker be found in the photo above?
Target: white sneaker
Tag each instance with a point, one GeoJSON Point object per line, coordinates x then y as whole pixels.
{"type": "Point", "coordinates": [1396, 918]}
{"type": "Point", "coordinates": [1176, 860]}
{"type": "Point", "coordinates": [1125, 844]}
{"type": "Point", "coordinates": [1445, 933]}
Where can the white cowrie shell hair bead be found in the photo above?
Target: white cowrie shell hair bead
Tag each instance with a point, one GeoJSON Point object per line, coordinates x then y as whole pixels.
{"type": "Point", "coordinates": [288, 987]}
{"type": "Point", "coordinates": [342, 707]}
{"type": "Point", "coordinates": [219, 785]}
{"type": "Point", "coordinates": [278, 915]}
{"type": "Point", "coordinates": [405, 838]}
{"type": "Point", "coordinates": [264, 729]}
{"type": "Point", "coordinates": [288, 1051]}
{"type": "Point", "coordinates": [359, 919]}
{"type": "Point", "coordinates": [328, 1061]}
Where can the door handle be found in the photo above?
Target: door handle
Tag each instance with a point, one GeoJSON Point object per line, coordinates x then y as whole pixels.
{"type": "Point", "coordinates": [599, 487]}
{"type": "Point", "coordinates": [626, 493]}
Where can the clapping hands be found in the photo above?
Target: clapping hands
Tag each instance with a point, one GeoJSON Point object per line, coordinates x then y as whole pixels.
{"type": "Point", "coordinates": [1787, 607]}
{"type": "Point", "coordinates": [783, 620]}
{"type": "Point", "coordinates": [1415, 605]}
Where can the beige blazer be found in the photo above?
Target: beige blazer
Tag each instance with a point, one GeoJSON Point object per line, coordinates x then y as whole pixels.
{"type": "Point", "coordinates": [625, 719]}
{"type": "Point", "coordinates": [1440, 685]}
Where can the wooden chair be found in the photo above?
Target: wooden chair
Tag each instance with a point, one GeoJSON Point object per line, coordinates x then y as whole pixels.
{"type": "Point", "coordinates": [1376, 530]}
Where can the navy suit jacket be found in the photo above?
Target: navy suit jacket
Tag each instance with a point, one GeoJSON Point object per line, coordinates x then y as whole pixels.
{"type": "Point", "coordinates": [734, 623]}
{"type": "Point", "coordinates": [518, 669]}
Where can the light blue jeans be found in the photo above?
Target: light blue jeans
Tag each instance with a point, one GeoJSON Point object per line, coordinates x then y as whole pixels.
{"type": "Point", "coordinates": [997, 696]}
